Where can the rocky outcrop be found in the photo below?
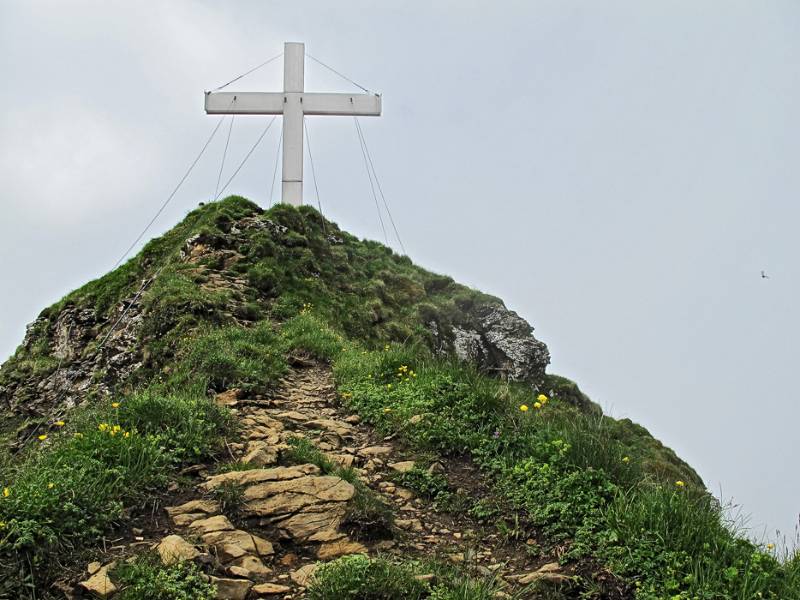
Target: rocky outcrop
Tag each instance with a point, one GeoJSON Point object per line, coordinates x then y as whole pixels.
{"type": "Point", "coordinates": [499, 341]}
{"type": "Point", "coordinates": [68, 367]}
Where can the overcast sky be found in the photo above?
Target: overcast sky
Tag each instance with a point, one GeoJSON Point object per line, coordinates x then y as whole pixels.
{"type": "Point", "coordinates": [618, 172]}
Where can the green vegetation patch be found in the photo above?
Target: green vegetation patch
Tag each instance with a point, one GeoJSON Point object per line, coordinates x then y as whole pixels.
{"type": "Point", "coordinates": [357, 577]}
{"type": "Point", "coordinates": [70, 489]}
{"type": "Point", "coordinates": [145, 578]}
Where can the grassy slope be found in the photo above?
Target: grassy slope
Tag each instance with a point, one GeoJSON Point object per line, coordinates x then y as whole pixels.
{"type": "Point", "coordinates": [602, 490]}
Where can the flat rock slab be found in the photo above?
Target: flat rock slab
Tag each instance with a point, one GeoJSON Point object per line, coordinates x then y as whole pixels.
{"type": "Point", "coordinates": [289, 493]}
{"type": "Point", "coordinates": [373, 451]}
{"type": "Point", "coordinates": [270, 589]}
{"type": "Point", "coordinates": [252, 476]}
{"type": "Point", "coordinates": [261, 453]}
{"type": "Point", "coordinates": [211, 524]}
{"type": "Point", "coordinates": [337, 427]}
{"type": "Point", "coordinates": [249, 567]}
{"type": "Point", "coordinates": [194, 506]}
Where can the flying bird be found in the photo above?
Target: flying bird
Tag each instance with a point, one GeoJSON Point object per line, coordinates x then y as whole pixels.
{"type": "Point", "coordinates": [764, 275]}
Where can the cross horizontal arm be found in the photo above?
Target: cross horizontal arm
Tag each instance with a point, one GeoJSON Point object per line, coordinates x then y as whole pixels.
{"type": "Point", "coordinates": [366, 105]}
{"type": "Point", "coordinates": [244, 103]}
{"type": "Point", "coordinates": [273, 103]}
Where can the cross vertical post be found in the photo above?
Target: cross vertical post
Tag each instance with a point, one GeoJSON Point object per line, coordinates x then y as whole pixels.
{"type": "Point", "coordinates": [293, 87]}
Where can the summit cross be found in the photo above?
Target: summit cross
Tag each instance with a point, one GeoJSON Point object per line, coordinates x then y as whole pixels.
{"type": "Point", "coordinates": [293, 103]}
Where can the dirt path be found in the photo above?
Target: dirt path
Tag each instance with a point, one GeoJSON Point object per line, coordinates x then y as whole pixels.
{"type": "Point", "coordinates": [260, 530]}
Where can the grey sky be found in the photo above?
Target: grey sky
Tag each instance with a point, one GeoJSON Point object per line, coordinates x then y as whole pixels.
{"type": "Point", "coordinates": [618, 172]}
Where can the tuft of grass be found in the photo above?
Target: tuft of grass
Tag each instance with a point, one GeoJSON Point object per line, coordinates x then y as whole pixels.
{"type": "Point", "coordinates": [308, 333]}
{"type": "Point", "coordinates": [357, 577]}
{"type": "Point", "coordinates": [303, 451]}
{"type": "Point", "coordinates": [189, 427]}
{"type": "Point", "coordinates": [251, 359]}
{"type": "Point", "coordinates": [230, 496]}
{"type": "Point", "coordinates": [145, 578]}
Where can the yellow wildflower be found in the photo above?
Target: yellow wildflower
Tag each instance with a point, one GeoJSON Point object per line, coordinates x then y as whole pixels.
{"type": "Point", "coordinates": [413, 374]}
{"type": "Point", "coordinates": [115, 405]}
{"type": "Point", "coordinates": [126, 434]}
{"type": "Point", "coordinates": [387, 410]}
{"type": "Point", "coordinates": [541, 398]}
{"type": "Point", "coordinates": [537, 405]}
{"type": "Point", "coordinates": [59, 423]}
{"type": "Point", "coordinates": [51, 485]}
{"type": "Point", "coordinates": [388, 386]}
{"type": "Point", "coordinates": [6, 492]}
{"type": "Point", "coordinates": [770, 546]}
{"type": "Point", "coordinates": [43, 437]}
{"type": "Point", "coordinates": [523, 407]}
{"type": "Point", "coordinates": [116, 428]}
{"type": "Point", "coordinates": [102, 426]}
{"type": "Point", "coordinates": [386, 347]}
{"type": "Point", "coordinates": [78, 434]}
{"type": "Point", "coordinates": [626, 459]}
{"type": "Point", "coordinates": [680, 483]}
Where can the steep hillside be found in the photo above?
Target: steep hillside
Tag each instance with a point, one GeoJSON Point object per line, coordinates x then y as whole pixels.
{"type": "Point", "coordinates": [261, 405]}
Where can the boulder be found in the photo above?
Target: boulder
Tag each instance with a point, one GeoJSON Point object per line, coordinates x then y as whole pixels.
{"type": "Point", "coordinates": [303, 575]}
{"type": "Point", "coordinates": [246, 542]}
{"type": "Point", "coordinates": [403, 466]}
{"type": "Point", "coordinates": [249, 567]}
{"type": "Point", "coordinates": [174, 548]}
{"type": "Point", "coordinates": [100, 584]}
{"type": "Point", "coordinates": [337, 548]}
{"type": "Point", "coordinates": [231, 589]}
{"type": "Point", "coordinates": [498, 340]}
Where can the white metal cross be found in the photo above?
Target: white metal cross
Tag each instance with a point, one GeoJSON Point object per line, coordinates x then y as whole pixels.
{"type": "Point", "coordinates": [293, 103]}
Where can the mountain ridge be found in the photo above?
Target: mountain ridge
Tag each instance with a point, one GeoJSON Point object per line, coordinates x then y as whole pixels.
{"type": "Point", "coordinates": [234, 299]}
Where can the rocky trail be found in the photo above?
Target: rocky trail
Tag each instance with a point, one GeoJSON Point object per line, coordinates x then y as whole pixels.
{"type": "Point", "coordinates": [259, 528]}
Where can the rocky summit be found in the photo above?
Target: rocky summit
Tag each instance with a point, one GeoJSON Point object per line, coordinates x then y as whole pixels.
{"type": "Point", "coordinates": [260, 405]}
